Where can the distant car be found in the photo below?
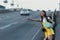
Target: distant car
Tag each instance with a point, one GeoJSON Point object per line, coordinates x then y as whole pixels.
{"type": "Point", "coordinates": [24, 12]}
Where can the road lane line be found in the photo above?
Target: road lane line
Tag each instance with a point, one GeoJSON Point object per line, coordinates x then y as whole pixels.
{"type": "Point", "coordinates": [6, 26]}
{"type": "Point", "coordinates": [36, 34]}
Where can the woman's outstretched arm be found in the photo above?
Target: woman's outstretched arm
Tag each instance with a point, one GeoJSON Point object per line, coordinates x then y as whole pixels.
{"type": "Point", "coordinates": [37, 20]}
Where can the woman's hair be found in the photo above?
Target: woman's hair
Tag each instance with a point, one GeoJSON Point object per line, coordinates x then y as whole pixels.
{"type": "Point", "coordinates": [44, 14]}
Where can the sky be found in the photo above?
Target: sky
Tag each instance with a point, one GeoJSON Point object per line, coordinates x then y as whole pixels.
{"type": "Point", "coordinates": [33, 4]}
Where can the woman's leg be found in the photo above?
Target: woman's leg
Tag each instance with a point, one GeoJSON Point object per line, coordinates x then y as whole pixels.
{"type": "Point", "coordinates": [49, 37]}
{"type": "Point", "coordinates": [48, 34]}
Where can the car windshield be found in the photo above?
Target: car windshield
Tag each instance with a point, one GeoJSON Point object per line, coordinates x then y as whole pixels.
{"type": "Point", "coordinates": [24, 10]}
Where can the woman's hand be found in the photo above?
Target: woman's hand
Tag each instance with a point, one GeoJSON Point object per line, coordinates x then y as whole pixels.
{"type": "Point", "coordinates": [52, 21]}
{"type": "Point", "coordinates": [30, 19]}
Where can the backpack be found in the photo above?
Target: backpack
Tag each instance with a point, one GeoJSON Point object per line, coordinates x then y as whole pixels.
{"type": "Point", "coordinates": [48, 19]}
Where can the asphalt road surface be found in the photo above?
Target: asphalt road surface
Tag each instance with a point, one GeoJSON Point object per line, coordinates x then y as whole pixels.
{"type": "Point", "coordinates": [13, 26]}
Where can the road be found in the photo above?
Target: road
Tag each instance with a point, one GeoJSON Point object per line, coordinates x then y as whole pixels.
{"type": "Point", "coordinates": [13, 26]}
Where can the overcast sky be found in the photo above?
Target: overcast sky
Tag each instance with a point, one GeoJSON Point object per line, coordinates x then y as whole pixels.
{"type": "Point", "coordinates": [33, 4]}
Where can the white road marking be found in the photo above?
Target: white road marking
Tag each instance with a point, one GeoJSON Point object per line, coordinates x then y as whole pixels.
{"type": "Point", "coordinates": [36, 34]}
{"type": "Point", "coordinates": [6, 26]}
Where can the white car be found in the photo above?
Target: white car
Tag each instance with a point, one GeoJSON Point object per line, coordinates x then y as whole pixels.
{"type": "Point", "coordinates": [24, 12]}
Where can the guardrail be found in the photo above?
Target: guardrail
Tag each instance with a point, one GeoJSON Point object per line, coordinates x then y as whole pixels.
{"type": "Point", "coordinates": [8, 10]}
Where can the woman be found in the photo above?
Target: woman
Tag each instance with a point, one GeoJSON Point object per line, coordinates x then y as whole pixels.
{"type": "Point", "coordinates": [47, 24]}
